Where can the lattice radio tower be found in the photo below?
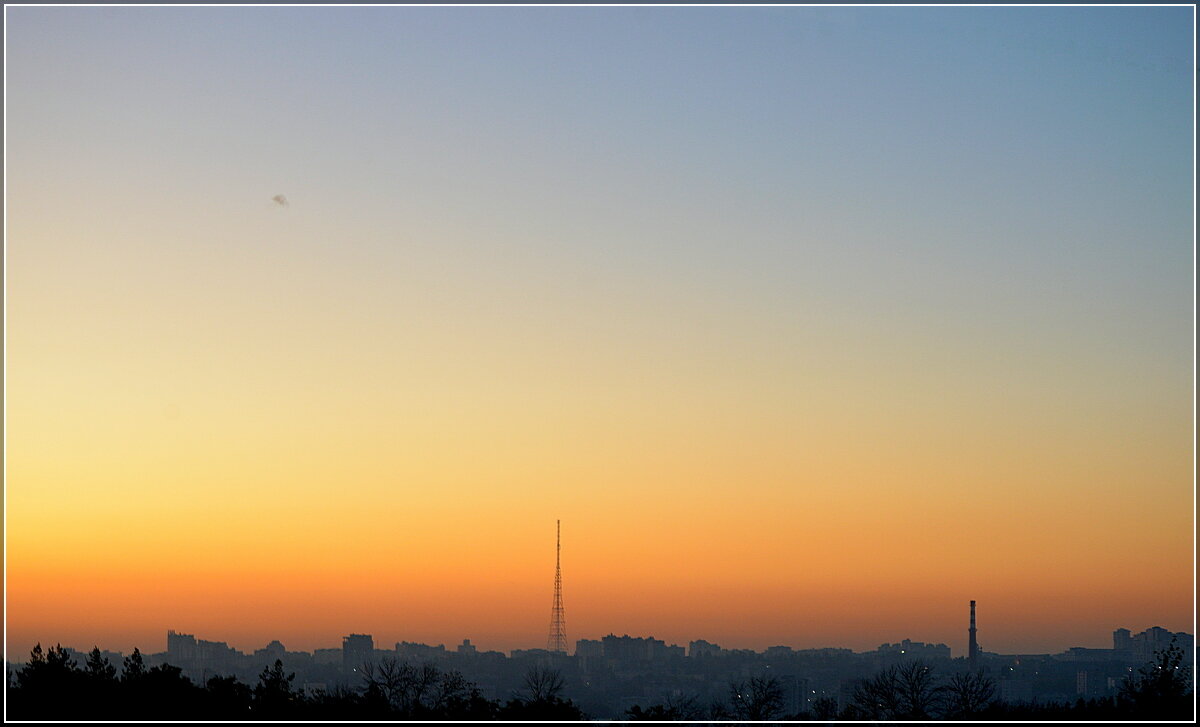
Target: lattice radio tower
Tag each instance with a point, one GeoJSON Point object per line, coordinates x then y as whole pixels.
{"type": "Point", "coordinates": [558, 622]}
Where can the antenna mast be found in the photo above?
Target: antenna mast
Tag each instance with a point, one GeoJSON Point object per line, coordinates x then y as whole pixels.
{"type": "Point", "coordinates": [558, 622]}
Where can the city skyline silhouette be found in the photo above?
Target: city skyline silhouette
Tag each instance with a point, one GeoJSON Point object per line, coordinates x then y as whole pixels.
{"type": "Point", "coordinates": [601, 679]}
{"type": "Point", "coordinates": [809, 328]}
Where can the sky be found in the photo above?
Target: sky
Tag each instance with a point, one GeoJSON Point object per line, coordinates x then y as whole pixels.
{"type": "Point", "coordinates": [810, 324]}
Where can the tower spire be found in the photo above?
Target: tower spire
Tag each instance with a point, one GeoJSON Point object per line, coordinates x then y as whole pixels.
{"type": "Point", "coordinates": [557, 641]}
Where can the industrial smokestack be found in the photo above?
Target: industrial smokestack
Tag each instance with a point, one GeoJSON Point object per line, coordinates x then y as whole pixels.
{"type": "Point", "coordinates": [973, 648]}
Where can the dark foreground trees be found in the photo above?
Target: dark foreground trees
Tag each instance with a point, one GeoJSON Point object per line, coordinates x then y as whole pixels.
{"type": "Point", "coordinates": [757, 698]}
{"type": "Point", "coordinates": [913, 691]}
{"type": "Point", "coordinates": [907, 691]}
{"type": "Point", "coordinates": [53, 687]}
{"type": "Point", "coordinates": [542, 699]}
{"type": "Point", "coordinates": [407, 691]}
{"type": "Point", "coordinates": [1161, 689]}
{"type": "Point", "coordinates": [967, 694]}
{"type": "Point", "coordinates": [676, 707]}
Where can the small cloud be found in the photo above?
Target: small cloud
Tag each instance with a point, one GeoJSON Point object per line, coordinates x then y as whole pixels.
{"type": "Point", "coordinates": [280, 200]}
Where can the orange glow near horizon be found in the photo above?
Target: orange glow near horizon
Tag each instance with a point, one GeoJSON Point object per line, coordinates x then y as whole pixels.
{"type": "Point", "coordinates": [305, 531]}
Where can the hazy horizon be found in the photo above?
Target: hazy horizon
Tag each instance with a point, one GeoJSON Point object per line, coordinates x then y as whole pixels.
{"type": "Point", "coordinates": [249, 644]}
{"type": "Point", "coordinates": [810, 324]}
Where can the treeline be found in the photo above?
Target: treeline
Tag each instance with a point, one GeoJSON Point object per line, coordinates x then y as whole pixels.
{"type": "Point", "coordinates": [52, 686]}
{"type": "Point", "coordinates": [912, 691]}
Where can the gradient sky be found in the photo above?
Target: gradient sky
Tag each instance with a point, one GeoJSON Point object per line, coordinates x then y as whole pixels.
{"type": "Point", "coordinates": [811, 324]}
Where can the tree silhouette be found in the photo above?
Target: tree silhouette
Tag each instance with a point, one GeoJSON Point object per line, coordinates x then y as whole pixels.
{"type": "Point", "coordinates": [163, 691]}
{"type": "Point", "coordinates": [456, 698]}
{"type": "Point", "coordinates": [968, 693]}
{"type": "Point", "coordinates": [425, 691]}
{"type": "Point", "coordinates": [919, 694]}
{"type": "Point", "coordinates": [1160, 688]}
{"type": "Point", "coordinates": [544, 685]}
{"type": "Point", "coordinates": [52, 668]}
{"type": "Point", "coordinates": [226, 698]}
{"type": "Point", "coordinates": [906, 691]}
{"type": "Point", "coordinates": [342, 702]}
{"type": "Point", "coordinates": [44, 681]}
{"type": "Point", "coordinates": [101, 684]}
{"type": "Point", "coordinates": [403, 686]}
{"type": "Point", "coordinates": [676, 707]}
{"type": "Point", "coordinates": [99, 668]}
{"type": "Point", "coordinates": [760, 698]}
{"type": "Point", "coordinates": [134, 667]}
{"type": "Point", "coordinates": [273, 695]}
{"type": "Point", "coordinates": [878, 697]}
{"type": "Point", "coordinates": [824, 708]}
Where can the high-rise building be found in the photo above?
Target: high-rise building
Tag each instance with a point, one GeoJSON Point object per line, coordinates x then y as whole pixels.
{"type": "Point", "coordinates": [908, 649]}
{"type": "Point", "coordinates": [1122, 643]}
{"type": "Point", "coordinates": [271, 652]}
{"type": "Point", "coordinates": [357, 649]}
{"type": "Point", "coordinates": [797, 694]}
{"type": "Point", "coordinates": [700, 648]}
{"type": "Point", "coordinates": [1143, 646]}
{"type": "Point", "coordinates": [181, 647]}
{"type": "Point", "coordinates": [417, 652]}
{"type": "Point", "coordinates": [628, 649]}
{"type": "Point", "coordinates": [589, 653]}
{"type": "Point", "coordinates": [593, 648]}
{"type": "Point", "coordinates": [186, 649]}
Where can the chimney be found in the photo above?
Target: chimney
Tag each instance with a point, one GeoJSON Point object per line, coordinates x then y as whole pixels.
{"type": "Point", "coordinates": [973, 648]}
